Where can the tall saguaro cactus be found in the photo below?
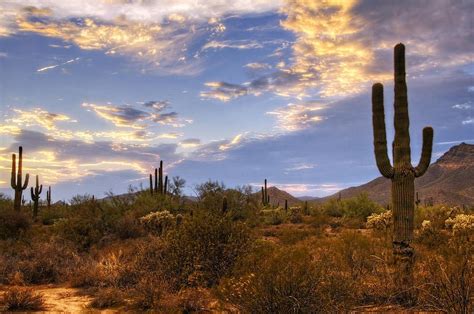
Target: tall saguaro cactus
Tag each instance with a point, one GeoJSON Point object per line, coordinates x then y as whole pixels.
{"type": "Point", "coordinates": [35, 196]}
{"type": "Point", "coordinates": [402, 173]}
{"type": "Point", "coordinates": [16, 179]}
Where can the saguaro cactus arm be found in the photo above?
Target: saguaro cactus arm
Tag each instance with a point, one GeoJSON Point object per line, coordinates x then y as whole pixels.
{"type": "Point", "coordinates": [425, 152]}
{"type": "Point", "coordinates": [380, 137]}
{"type": "Point", "coordinates": [401, 143]}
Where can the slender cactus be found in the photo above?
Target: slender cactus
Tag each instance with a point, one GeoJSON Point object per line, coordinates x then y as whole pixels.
{"type": "Point", "coordinates": [16, 179]}
{"type": "Point", "coordinates": [402, 174]}
{"type": "Point", "coordinates": [286, 205]}
{"type": "Point", "coordinates": [160, 178]}
{"type": "Point", "coordinates": [35, 196]}
{"type": "Point", "coordinates": [151, 184]}
{"type": "Point", "coordinates": [156, 181]}
{"type": "Point", "coordinates": [48, 197]}
{"type": "Point", "coordinates": [165, 187]}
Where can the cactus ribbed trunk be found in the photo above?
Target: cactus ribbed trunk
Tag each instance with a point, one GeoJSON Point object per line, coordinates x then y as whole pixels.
{"type": "Point", "coordinates": [402, 174]}
{"type": "Point", "coordinates": [16, 179]}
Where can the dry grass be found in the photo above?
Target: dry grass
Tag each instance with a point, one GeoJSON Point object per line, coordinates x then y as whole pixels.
{"type": "Point", "coordinates": [22, 299]}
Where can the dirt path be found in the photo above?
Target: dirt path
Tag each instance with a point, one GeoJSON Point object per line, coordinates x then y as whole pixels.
{"type": "Point", "coordinates": [59, 299]}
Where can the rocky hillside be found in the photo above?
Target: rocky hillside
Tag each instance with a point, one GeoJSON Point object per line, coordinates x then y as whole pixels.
{"type": "Point", "coordinates": [450, 180]}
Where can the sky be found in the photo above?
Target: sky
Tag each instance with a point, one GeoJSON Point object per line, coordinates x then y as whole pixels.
{"type": "Point", "coordinates": [98, 91]}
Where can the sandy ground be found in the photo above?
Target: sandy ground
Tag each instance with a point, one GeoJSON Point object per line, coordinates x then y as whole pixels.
{"type": "Point", "coordinates": [59, 299]}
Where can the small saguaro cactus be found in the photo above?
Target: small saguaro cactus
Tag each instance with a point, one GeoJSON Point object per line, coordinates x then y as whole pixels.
{"type": "Point", "coordinates": [16, 179]}
{"type": "Point", "coordinates": [286, 205]}
{"type": "Point", "coordinates": [151, 184]}
{"type": "Point", "coordinates": [159, 187]}
{"type": "Point", "coordinates": [417, 200]}
{"type": "Point", "coordinates": [402, 173]}
{"type": "Point", "coordinates": [265, 196]}
{"type": "Point", "coordinates": [48, 197]}
{"type": "Point", "coordinates": [35, 196]}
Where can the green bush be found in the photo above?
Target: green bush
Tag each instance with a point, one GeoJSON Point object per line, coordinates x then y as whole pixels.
{"type": "Point", "coordinates": [203, 249]}
{"type": "Point", "coordinates": [357, 207]}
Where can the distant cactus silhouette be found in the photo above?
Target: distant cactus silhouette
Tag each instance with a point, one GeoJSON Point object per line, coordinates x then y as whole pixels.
{"type": "Point", "coordinates": [402, 174]}
{"type": "Point", "coordinates": [35, 196]}
{"type": "Point", "coordinates": [159, 187]}
{"type": "Point", "coordinates": [16, 179]}
{"type": "Point", "coordinates": [265, 196]}
{"type": "Point", "coordinates": [286, 205]}
{"type": "Point", "coordinates": [48, 197]}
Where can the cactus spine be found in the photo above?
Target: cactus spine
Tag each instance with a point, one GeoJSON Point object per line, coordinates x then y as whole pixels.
{"type": "Point", "coordinates": [16, 179]}
{"type": "Point", "coordinates": [48, 197]}
{"type": "Point", "coordinates": [402, 174]}
{"type": "Point", "coordinates": [35, 196]}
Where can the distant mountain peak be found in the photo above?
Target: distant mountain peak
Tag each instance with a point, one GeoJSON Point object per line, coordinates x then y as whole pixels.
{"type": "Point", "coordinates": [449, 180]}
{"type": "Point", "coordinates": [457, 156]}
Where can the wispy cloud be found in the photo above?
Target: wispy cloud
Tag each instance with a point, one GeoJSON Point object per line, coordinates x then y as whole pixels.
{"type": "Point", "coordinates": [39, 117]}
{"type": "Point", "coordinates": [121, 116]}
{"type": "Point", "coordinates": [50, 67]}
{"type": "Point", "coordinates": [233, 44]}
{"type": "Point", "coordinates": [190, 142]}
{"type": "Point", "coordinates": [294, 117]}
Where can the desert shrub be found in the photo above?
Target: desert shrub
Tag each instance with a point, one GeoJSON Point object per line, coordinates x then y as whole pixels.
{"type": "Point", "coordinates": [357, 207]}
{"type": "Point", "coordinates": [295, 216]}
{"type": "Point", "coordinates": [128, 227]}
{"type": "Point", "coordinates": [203, 249]}
{"type": "Point", "coordinates": [293, 236]}
{"type": "Point", "coordinates": [381, 222]}
{"type": "Point", "coordinates": [333, 208]}
{"type": "Point", "coordinates": [437, 215]}
{"type": "Point", "coordinates": [149, 292]}
{"type": "Point", "coordinates": [430, 236]}
{"type": "Point", "coordinates": [461, 225]}
{"type": "Point", "coordinates": [12, 223]}
{"type": "Point", "coordinates": [285, 281]}
{"type": "Point", "coordinates": [275, 217]}
{"type": "Point", "coordinates": [39, 262]}
{"type": "Point", "coordinates": [22, 299]}
{"type": "Point", "coordinates": [158, 222]}
{"type": "Point", "coordinates": [49, 215]}
{"type": "Point", "coordinates": [360, 207]}
{"type": "Point", "coordinates": [448, 283]}
{"type": "Point", "coordinates": [107, 298]}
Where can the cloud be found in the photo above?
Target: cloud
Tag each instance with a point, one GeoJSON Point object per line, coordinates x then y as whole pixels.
{"type": "Point", "coordinates": [258, 66]}
{"type": "Point", "coordinates": [158, 105]}
{"type": "Point", "coordinates": [3, 54]}
{"type": "Point", "coordinates": [121, 116]}
{"type": "Point", "coordinates": [295, 117]}
{"type": "Point", "coordinates": [156, 34]}
{"type": "Point", "coordinates": [60, 161]}
{"type": "Point", "coordinates": [233, 44]}
{"type": "Point", "coordinates": [463, 106]}
{"type": "Point", "coordinates": [190, 142]}
{"type": "Point", "coordinates": [224, 91]}
{"type": "Point", "coordinates": [57, 65]}
{"type": "Point", "coordinates": [469, 120]}
{"type": "Point", "coordinates": [342, 47]}
{"type": "Point", "coordinates": [39, 117]}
